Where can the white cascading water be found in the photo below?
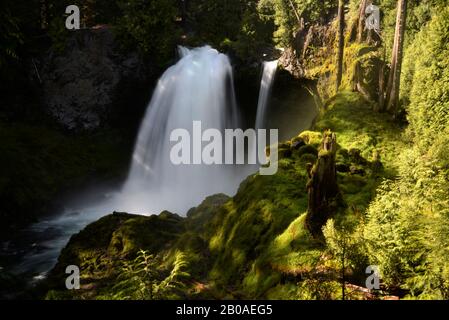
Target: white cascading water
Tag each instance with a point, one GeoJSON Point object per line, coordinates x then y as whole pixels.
{"type": "Point", "coordinates": [268, 73]}
{"type": "Point", "coordinates": [198, 88]}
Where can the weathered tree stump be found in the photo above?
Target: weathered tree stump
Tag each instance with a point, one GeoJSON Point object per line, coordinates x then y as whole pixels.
{"type": "Point", "coordinates": [322, 186]}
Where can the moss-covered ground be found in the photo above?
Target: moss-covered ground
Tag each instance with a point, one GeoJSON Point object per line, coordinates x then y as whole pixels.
{"type": "Point", "coordinates": [254, 245]}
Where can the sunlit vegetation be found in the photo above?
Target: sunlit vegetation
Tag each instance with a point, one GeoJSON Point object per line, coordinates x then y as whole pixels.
{"type": "Point", "coordinates": [392, 168]}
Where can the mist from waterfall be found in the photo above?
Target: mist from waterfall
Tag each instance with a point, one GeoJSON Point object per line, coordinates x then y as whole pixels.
{"type": "Point", "coordinates": [268, 73]}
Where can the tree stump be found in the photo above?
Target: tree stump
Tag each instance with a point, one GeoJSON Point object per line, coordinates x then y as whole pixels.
{"type": "Point", "coordinates": [322, 186]}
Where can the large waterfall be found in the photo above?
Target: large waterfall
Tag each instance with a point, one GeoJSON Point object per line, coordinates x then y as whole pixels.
{"type": "Point", "coordinates": [268, 73]}
{"type": "Point", "coordinates": [198, 88]}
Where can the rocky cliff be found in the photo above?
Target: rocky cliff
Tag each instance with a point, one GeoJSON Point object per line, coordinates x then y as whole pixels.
{"type": "Point", "coordinates": [83, 85]}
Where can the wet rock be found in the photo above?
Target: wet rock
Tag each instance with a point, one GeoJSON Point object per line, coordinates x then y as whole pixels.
{"type": "Point", "coordinates": [290, 62]}
{"type": "Point", "coordinates": [298, 143]}
{"type": "Point", "coordinates": [303, 56]}
{"type": "Point", "coordinates": [81, 85]}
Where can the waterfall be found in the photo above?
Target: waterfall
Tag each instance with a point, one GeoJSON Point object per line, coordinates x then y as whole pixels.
{"type": "Point", "coordinates": [269, 71]}
{"type": "Point", "coordinates": [198, 88]}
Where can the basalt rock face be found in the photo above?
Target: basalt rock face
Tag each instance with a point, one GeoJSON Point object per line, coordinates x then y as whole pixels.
{"type": "Point", "coordinates": [311, 44]}
{"type": "Point", "coordinates": [89, 81]}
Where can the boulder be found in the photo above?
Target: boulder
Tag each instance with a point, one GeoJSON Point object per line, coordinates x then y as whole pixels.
{"type": "Point", "coordinates": [297, 143]}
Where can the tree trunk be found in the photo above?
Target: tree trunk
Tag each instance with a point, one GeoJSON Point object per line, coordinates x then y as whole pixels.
{"type": "Point", "coordinates": [295, 11]}
{"type": "Point", "coordinates": [311, 87]}
{"type": "Point", "coordinates": [381, 93]}
{"type": "Point", "coordinates": [360, 28]}
{"type": "Point", "coordinates": [44, 14]}
{"type": "Point", "coordinates": [392, 91]}
{"type": "Point", "coordinates": [343, 267]}
{"type": "Point", "coordinates": [322, 186]}
{"type": "Point", "coordinates": [361, 22]}
{"type": "Point", "coordinates": [341, 41]}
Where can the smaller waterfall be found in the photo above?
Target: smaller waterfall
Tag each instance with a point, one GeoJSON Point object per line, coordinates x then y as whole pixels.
{"type": "Point", "coordinates": [269, 71]}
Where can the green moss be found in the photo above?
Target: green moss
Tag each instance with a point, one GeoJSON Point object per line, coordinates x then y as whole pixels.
{"type": "Point", "coordinates": [132, 235]}
{"type": "Point", "coordinates": [311, 137]}
{"type": "Point", "coordinates": [357, 127]}
{"type": "Point", "coordinates": [254, 245]}
{"type": "Point", "coordinates": [307, 149]}
{"type": "Point", "coordinates": [308, 158]}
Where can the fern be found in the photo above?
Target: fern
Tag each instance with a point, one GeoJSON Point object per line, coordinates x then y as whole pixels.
{"type": "Point", "coordinates": [144, 279]}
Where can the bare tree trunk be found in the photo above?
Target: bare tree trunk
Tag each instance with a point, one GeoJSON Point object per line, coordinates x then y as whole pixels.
{"type": "Point", "coordinates": [322, 186]}
{"type": "Point", "coordinates": [392, 91]}
{"type": "Point", "coordinates": [381, 93]}
{"type": "Point", "coordinates": [361, 24]}
{"type": "Point", "coordinates": [313, 91]}
{"type": "Point", "coordinates": [44, 14]}
{"type": "Point", "coordinates": [359, 38]}
{"type": "Point", "coordinates": [295, 11]}
{"type": "Point", "coordinates": [343, 267]}
{"type": "Point", "coordinates": [341, 41]}
{"type": "Point", "coordinates": [381, 96]}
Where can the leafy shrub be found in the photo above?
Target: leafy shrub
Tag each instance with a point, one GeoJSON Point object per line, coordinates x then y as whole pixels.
{"type": "Point", "coordinates": [409, 220]}
{"type": "Point", "coordinates": [143, 279]}
{"type": "Point", "coordinates": [149, 26]}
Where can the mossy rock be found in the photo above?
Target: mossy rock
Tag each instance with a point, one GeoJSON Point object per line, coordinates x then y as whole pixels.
{"type": "Point", "coordinates": [297, 143]}
{"type": "Point", "coordinates": [311, 137]}
{"type": "Point", "coordinates": [151, 233]}
{"type": "Point", "coordinates": [284, 152]}
{"type": "Point", "coordinates": [307, 149]}
{"type": "Point", "coordinates": [198, 217]}
{"type": "Point", "coordinates": [356, 156]}
{"type": "Point", "coordinates": [308, 158]}
{"type": "Point", "coordinates": [98, 249]}
{"type": "Point", "coordinates": [342, 155]}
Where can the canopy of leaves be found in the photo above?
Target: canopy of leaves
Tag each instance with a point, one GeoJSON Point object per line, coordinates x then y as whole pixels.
{"type": "Point", "coordinates": [288, 13]}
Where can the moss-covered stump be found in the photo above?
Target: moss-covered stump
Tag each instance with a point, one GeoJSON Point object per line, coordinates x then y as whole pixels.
{"type": "Point", "coordinates": [322, 186]}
